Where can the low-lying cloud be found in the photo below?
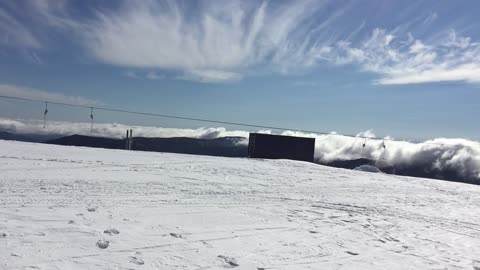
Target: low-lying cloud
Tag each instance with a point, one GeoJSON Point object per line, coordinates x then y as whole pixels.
{"type": "Point", "coordinates": [435, 157]}
{"type": "Point", "coordinates": [111, 130]}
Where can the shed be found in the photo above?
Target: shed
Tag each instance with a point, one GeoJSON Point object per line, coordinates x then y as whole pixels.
{"type": "Point", "coordinates": [280, 147]}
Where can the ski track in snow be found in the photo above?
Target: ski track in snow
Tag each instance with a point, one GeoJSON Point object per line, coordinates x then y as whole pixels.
{"type": "Point", "coordinates": [84, 208]}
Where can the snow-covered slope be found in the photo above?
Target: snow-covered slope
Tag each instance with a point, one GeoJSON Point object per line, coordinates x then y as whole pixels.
{"type": "Point", "coordinates": [170, 211]}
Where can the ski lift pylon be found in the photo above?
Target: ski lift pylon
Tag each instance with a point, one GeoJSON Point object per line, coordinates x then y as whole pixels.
{"type": "Point", "coordinates": [45, 113]}
{"type": "Point", "coordinates": [91, 118]}
{"type": "Point", "coordinates": [363, 147]}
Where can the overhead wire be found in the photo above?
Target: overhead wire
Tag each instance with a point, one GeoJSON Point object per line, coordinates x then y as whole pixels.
{"type": "Point", "coordinates": [200, 120]}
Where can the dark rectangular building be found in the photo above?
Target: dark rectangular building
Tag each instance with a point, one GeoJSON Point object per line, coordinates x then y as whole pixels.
{"type": "Point", "coordinates": [280, 147]}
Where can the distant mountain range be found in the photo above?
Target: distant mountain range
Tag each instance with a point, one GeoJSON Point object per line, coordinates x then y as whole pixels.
{"type": "Point", "coordinates": [10, 136]}
{"type": "Point", "coordinates": [226, 147]}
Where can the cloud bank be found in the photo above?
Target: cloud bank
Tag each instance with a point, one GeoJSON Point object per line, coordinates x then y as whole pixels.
{"type": "Point", "coordinates": [436, 157]}
{"type": "Point", "coordinates": [111, 130]}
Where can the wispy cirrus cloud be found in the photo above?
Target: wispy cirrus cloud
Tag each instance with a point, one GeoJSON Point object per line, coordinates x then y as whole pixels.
{"type": "Point", "coordinates": [406, 60]}
{"type": "Point", "coordinates": [221, 43]}
{"type": "Point", "coordinates": [15, 33]}
{"type": "Point", "coordinates": [207, 42]}
{"type": "Point", "coordinates": [154, 76]}
{"type": "Point", "coordinates": [30, 93]}
{"type": "Point", "coordinates": [27, 24]}
{"type": "Point", "coordinates": [217, 44]}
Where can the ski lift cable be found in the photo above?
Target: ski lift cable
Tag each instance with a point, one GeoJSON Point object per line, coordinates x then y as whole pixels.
{"type": "Point", "coordinates": [206, 120]}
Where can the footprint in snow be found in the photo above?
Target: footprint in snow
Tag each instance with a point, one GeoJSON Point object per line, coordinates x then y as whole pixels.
{"type": "Point", "coordinates": [229, 260]}
{"type": "Point", "coordinates": [111, 231]}
{"type": "Point", "coordinates": [176, 235]}
{"type": "Point", "coordinates": [136, 259]}
{"type": "Point", "coordinates": [102, 244]}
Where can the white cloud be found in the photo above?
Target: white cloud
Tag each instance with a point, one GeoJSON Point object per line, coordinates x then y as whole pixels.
{"type": "Point", "coordinates": [431, 18]}
{"type": "Point", "coordinates": [14, 33]}
{"type": "Point", "coordinates": [453, 58]}
{"type": "Point", "coordinates": [367, 134]}
{"type": "Point", "coordinates": [28, 29]}
{"type": "Point", "coordinates": [215, 45]}
{"type": "Point", "coordinates": [210, 76]}
{"type": "Point", "coordinates": [154, 76]}
{"type": "Point", "coordinates": [466, 73]}
{"type": "Point", "coordinates": [30, 93]}
{"type": "Point", "coordinates": [132, 74]}
{"type": "Point", "coordinates": [111, 130]}
{"type": "Point", "coordinates": [221, 42]}
{"type": "Point", "coordinates": [207, 42]}
{"type": "Point", "coordinates": [442, 155]}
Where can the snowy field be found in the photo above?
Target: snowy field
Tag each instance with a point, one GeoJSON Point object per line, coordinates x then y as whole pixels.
{"type": "Point", "coordinates": [61, 206]}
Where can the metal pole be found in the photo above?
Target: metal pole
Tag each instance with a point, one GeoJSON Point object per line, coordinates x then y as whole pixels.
{"type": "Point", "coordinates": [45, 114]}
{"type": "Point", "coordinates": [91, 117]}
{"type": "Point", "coordinates": [130, 140]}
{"type": "Point", "coordinates": [363, 148]}
{"type": "Point", "coordinates": [126, 141]}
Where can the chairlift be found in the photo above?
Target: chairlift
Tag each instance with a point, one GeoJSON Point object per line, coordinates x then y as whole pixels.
{"type": "Point", "coordinates": [91, 118]}
{"type": "Point", "coordinates": [363, 147]}
{"type": "Point", "coordinates": [45, 114]}
{"type": "Point", "coordinates": [384, 148]}
{"type": "Point", "coordinates": [383, 154]}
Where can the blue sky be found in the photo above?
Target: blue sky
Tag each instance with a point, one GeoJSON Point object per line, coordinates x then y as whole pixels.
{"type": "Point", "coordinates": [409, 69]}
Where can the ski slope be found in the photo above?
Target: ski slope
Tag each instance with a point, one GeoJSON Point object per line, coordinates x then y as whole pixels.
{"type": "Point", "coordinates": [61, 206]}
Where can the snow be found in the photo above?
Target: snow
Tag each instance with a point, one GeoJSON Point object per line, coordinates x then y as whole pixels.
{"type": "Point", "coordinates": [368, 168]}
{"type": "Point", "coordinates": [84, 208]}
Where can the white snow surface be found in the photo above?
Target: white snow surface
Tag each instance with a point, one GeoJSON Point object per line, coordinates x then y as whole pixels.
{"type": "Point", "coordinates": [368, 168]}
{"type": "Point", "coordinates": [84, 208]}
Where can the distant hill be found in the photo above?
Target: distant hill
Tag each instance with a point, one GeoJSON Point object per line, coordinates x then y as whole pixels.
{"type": "Point", "coordinates": [225, 146]}
{"type": "Point", "coordinates": [9, 136]}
